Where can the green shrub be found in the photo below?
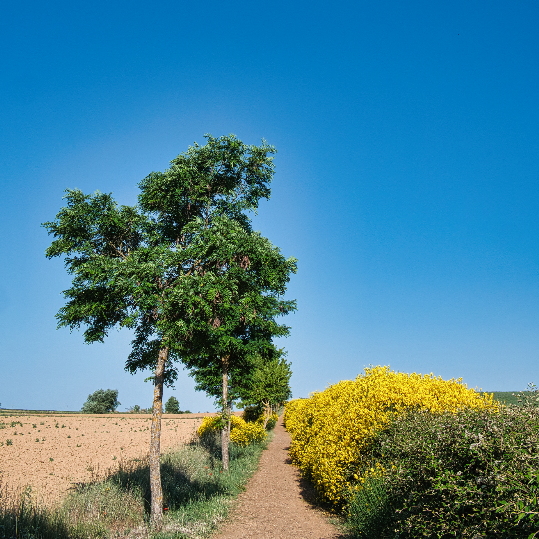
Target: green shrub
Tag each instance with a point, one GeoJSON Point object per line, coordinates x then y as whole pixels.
{"type": "Point", "coordinates": [272, 421]}
{"type": "Point", "coordinates": [101, 402]}
{"type": "Point", "coordinates": [370, 508]}
{"type": "Point", "coordinates": [252, 413]}
{"type": "Point", "coordinates": [468, 474]}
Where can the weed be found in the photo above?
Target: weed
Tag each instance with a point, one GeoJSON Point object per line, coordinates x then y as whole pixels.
{"type": "Point", "coordinates": [9, 442]}
{"type": "Point", "coordinates": [51, 459]}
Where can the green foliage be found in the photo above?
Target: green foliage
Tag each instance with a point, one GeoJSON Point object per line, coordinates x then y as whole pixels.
{"type": "Point", "coordinates": [268, 383]}
{"type": "Point", "coordinates": [172, 406]}
{"type": "Point", "coordinates": [370, 509]}
{"type": "Point", "coordinates": [101, 402]}
{"type": "Point", "coordinates": [183, 269]}
{"type": "Point", "coordinates": [529, 398]}
{"type": "Point", "coordinates": [512, 397]}
{"type": "Point", "coordinates": [469, 474]}
{"type": "Point", "coordinates": [504, 397]}
{"type": "Point", "coordinates": [272, 421]}
{"type": "Point", "coordinates": [252, 413]}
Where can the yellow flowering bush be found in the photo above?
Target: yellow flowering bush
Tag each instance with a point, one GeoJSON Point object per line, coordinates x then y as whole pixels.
{"type": "Point", "coordinates": [330, 428]}
{"type": "Point", "coordinates": [248, 433]}
{"type": "Point", "coordinates": [241, 432]}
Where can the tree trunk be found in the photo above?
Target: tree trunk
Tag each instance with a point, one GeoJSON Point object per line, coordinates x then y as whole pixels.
{"type": "Point", "coordinates": [155, 442]}
{"type": "Point", "coordinates": [267, 413]}
{"type": "Point", "coordinates": [224, 432]}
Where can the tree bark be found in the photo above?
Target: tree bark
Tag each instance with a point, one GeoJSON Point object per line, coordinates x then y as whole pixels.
{"type": "Point", "coordinates": [155, 442]}
{"type": "Point", "coordinates": [224, 432]}
{"type": "Point", "coordinates": [267, 413]}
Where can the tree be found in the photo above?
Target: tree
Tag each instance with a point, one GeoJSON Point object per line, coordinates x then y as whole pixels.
{"type": "Point", "coordinates": [268, 385]}
{"type": "Point", "coordinates": [101, 402]}
{"type": "Point", "coordinates": [172, 406]}
{"type": "Point", "coordinates": [183, 269]}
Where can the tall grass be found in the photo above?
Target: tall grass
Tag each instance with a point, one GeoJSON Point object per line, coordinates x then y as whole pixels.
{"type": "Point", "coordinates": [197, 496]}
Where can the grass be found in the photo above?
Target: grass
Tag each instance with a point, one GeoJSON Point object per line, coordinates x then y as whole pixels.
{"type": "Point", "coordinates": [197, 496]}
{"type": "Point", "coordinates": [509, 397]}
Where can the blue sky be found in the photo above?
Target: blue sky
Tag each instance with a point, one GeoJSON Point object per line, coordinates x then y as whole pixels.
{"type": "Point", "coordinates": [406, 176]}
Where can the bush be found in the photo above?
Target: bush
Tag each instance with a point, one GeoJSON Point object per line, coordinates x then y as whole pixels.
{"type": "Point", "coordinates": [257, 414]}
{"type": "Point", "coordinates": [172, 406]}
{"type": "Point", "coordinates": [331, 430]}
{"type": "Point", "coordinates": [241, 432]}
{"type": "Point", "coordinates": [101, 402]}
{"type": "Point", "coordinates": [370, 508]}
{"type": "Point", "coordinates": [465, 474]}
{"type": "Point", "coordinates": [252, 413]}
{"type": "Point", "coordinates": [272, 421]}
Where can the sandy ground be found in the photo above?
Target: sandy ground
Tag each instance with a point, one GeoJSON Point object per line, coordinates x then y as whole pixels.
{"type": "Point", "coordinates": [51, 452]}
{"type": "Point", "coordinates": [278, 503]}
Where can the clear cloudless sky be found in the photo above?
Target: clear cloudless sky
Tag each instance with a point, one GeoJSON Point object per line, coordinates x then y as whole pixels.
{"type": "Point", "coordinates": [406, 175]}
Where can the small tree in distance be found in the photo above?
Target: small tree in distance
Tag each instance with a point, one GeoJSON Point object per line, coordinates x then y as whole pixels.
{"type": "Point", "coordinates": [268, 385]}
{"type": "Point", "coordinates": [172, 406]}
{"type": "Point", "coordinates": [102, 401]}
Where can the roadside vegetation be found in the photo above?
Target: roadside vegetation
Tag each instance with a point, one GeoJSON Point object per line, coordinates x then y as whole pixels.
{"type": "Point", "coordinates": [408, 456]}
{"type": "Point", "coordinates": [197, 494]}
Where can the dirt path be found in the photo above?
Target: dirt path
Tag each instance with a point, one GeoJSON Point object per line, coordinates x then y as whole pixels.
{"type": "Point", "coordinates": [274, 505]}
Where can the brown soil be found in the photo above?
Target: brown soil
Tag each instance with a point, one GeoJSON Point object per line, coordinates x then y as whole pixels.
{"type": "Point", "coordinates": [65, 449]}
{"type": "Point", "coordinates": [277, 502]}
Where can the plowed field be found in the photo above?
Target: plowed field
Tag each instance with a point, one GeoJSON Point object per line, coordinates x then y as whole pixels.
{"type": "Point", "coordinates": [52, 452]}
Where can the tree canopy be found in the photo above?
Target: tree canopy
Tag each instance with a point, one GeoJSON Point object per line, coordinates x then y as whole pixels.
{"type": "Point", "coordinates": [101, 401]}
{"type": "Point", "coordinates": [172, 406]}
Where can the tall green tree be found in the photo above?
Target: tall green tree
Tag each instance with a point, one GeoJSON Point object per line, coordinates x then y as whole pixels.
{"type": "Point", "coordinates": [183, 269]}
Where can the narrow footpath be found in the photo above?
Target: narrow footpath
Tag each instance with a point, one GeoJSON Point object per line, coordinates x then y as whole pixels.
{"type": "Point", "coordinates": [274, 505]}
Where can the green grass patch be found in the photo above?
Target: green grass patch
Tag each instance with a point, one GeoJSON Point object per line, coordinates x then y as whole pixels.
{"type": "Point", "coordinates": [198, 494]}
{"type": "Point", "coordinates": [508, 397]}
